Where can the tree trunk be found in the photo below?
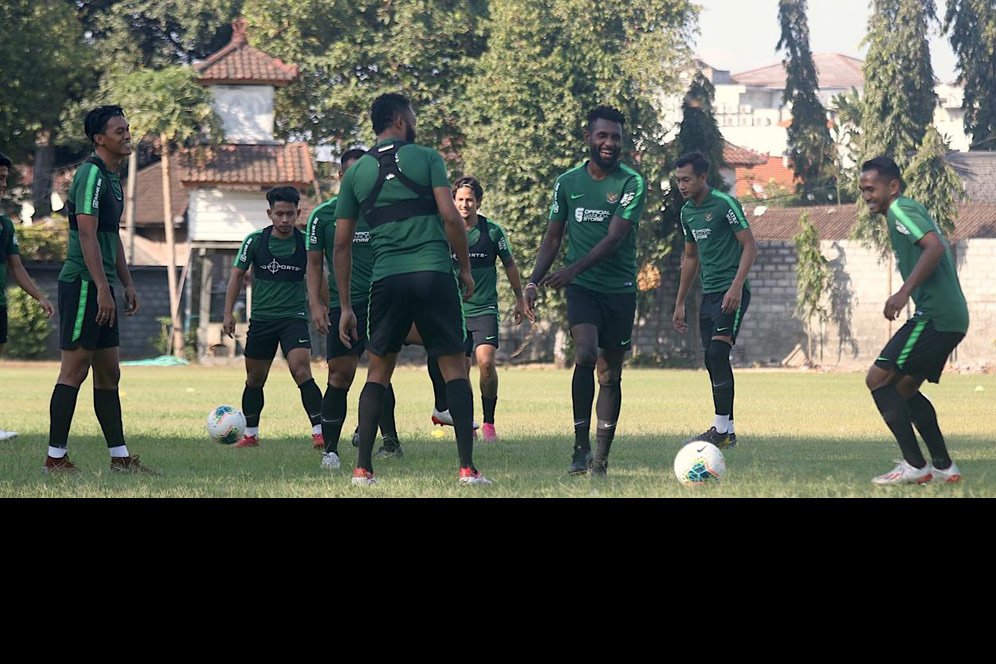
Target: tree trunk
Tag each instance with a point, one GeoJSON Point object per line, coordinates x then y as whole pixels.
{"type": "Point", "coordinates": [41, 186]}
{"type": "Point", "coordinates": [130, 206]}
{"type": "Point", "coordinates": [174, 294]}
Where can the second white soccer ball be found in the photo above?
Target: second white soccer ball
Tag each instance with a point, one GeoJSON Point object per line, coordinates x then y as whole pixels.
{"type": "Point", "coordinates": [226, 424]}
{"type": "Point", "coordinates": [699, 463]}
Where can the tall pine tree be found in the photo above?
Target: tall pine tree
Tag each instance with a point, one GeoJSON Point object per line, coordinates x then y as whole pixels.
{"type": "Point", "coordinates": [971, 27]}
{"type": "Point", "coordinates": [931, 180]}
{"type": "Point", "coordinates": [809, 144]}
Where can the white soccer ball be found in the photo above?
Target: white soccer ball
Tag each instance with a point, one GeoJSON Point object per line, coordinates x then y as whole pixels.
{"type": "Point", "coordinates": [699, 463]}
{"type": "Point", "coordinates": [226, 424]}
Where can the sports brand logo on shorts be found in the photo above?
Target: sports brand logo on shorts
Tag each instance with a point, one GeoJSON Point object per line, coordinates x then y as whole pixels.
{"type": "Point", "coordinates": [612, 197]}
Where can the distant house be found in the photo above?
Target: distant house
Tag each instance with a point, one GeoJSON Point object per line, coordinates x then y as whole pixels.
{"type": "Point", "coordinates": [978, 173]}
{"type": "Point", "coordinates": [752, 174]}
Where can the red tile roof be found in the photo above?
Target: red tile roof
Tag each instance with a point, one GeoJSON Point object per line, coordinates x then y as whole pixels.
{"type": "Point", "coordinates": [833, 70]}
{"type": "Point", "coordinates": [772, 169]}
{"type": "Point", "coordinates": [248, 165]}
{"type": "Point", "coordinates": [240, 63]}
{"type": "Point", "coordinates": [734, 155]}
{"type": "Point", "coordinates": [975, 220]}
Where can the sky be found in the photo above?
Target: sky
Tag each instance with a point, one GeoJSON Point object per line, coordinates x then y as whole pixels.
{"type": "Point", "coordinates": [739, 35]}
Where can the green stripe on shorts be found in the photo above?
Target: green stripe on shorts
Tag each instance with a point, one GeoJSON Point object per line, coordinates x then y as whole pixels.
{"type": "Point", "coordinates": [81, 310]}
{"type": "Point", "coordinates": [736, 318]}
{"type": "Point", "coordinates": [908, 348]}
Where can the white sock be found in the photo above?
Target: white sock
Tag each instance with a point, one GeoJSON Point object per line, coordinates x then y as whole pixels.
{"type": "Point", "coordinates": [252, 431]}
{"type": "Point", "coordinates": [316, 429]}
{"type": "Point", "coordinates": [119, 452]}
{"type": "Point", "coordinates": [722, 423]}
{"type": "Point", "coordinates": [732, 430]}
{"type": "Point", "coordinates": [56, 452]}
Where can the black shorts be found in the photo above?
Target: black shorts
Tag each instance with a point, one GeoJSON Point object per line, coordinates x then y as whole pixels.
{"type": "Point", "coordinates": [78, 318]}
{"type": "Point", "coordinates": [333, 345]}
{"type": "Point", "coordinates": [714, 323]}
{"type": "Point", "coordinates": [431, 300]}
{"type": "Point", "coordinates": [264, 335]}
{"type": "Point", "coordinates": [611, 313]}
{"type": "Point", "coordinates": [481, 331]}
{"type": "Point", "coordinates": [919, 350]}
{"type": "Point", "coordinates": [3, 325]}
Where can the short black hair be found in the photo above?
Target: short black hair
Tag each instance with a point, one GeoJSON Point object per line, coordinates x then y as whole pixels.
{"type": "Point", "coordinates": [473, 183]}
{"type": "Point", "coordinates": [385, 108]}
{"type": "Point", "coordinates": [283, 193]}
{"type": "Point", "coordinates": [351, 155]}
{"type": "Point", "coordinates": [5, 161]}
{"type": "Point", "coordinates": [605, 113]}
{"type": "Point", "coordinates": [886, 167]}
{"type": "Point", "coordinates": [700, 165]}
{"type": "Point", "coordinates": [96, 120]}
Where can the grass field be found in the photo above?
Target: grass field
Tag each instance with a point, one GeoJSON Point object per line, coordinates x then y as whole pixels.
{"type": "Point", "coordinates": [801, 435]}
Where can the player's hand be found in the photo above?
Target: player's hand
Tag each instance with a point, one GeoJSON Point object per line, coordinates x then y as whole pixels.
{"type": "Point", "coordinates": [105, 307]}
{"type": "Point", "coordinates": [529, 300]}
{"type": "Point", "coordinates": [46, 307]}
{"type": "Point", "coordinates": [558, 279]}
{"type": "Point", "coordinates": [347, 327]}
{"type": "Point", "coordinates": [320, 318]}
{"type": "Point", "coordinates": [520, 311]}
{"type": "Point", "coordinates": [678, 319]}
{"type": "Point", "coordinates": [468, 283]}
{"type": "Point", "coordinates": [895, 304]}
{"type": "Point", "coordinates": [131, 301]}
{"type": "Point", "coordinates": [228, 326]}
{"type": "Point", "coordinates": [731, 301]}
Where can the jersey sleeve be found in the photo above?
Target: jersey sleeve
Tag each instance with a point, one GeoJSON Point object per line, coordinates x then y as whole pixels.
{"type": "Point", "coordinates": [735, 215]}
{"type": "Point", "coordinates": [314, 238]}
{"type": "Point", "coordinates": [437, 171]}
{"type": "Point", "coordinates": [911, 222]}
{"type": "Point", "coordinates": [684, 226]}
{"type": "Point", "coordinates": [634, 197]}
{"type": "Point", "coordinates": [501, 240]}
{"type": "Point", "coordinates": [87, 197]}
{"type": "Point", "coordinates": [346, 205]}
{"type": "Point", "coordinates": [11, 241]}
{"type": "Point", "coordinates": [558, 211]}
{"type": "Point", "coordinates": [247, 252]}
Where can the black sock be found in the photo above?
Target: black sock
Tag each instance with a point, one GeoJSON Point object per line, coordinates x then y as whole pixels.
{"type": "Point", "coordinates": [311, 398]}
{"type": "Point", "coordinates": [438, 385]}
{"type": "Point", "coordinates": [925, 418]}
{"type": "Point", "coordinates": [607, 409]}
{"type": "Point", "coordinates": [388, 427]}
{"type": "Point", "coordinates": [107, 406]}
{"type": "Point", "coordinates": [461, 402]}
{"type": "Point", "coordinates": [371, 406]}
{"type": "Point", "coordinates": [896, 414]}
{"type": "Point", "coordinates": [252, 404]}
{"type": "Point", "coordinates": [61, 409]}
{"type": "Point", "coordinates": [333, 417]}
{"type": "Point", "coordinates": [489, 404]}
{"type": "Point", "coordinates": [582, 396]}
{"type": "Point", "coordinates": [722, 377]}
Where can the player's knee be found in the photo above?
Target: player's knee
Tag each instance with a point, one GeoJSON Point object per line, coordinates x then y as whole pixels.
{"type": "Point", "coordinates": [718, 353]}
{"type": "Point", "coordinates": [877, 377]}
{"type": "Point", "coordinates": [609, 378]}
{"type": "Point", "coordinates": [586, 355]}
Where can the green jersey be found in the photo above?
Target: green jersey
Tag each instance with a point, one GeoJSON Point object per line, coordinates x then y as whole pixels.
{"type": "Point", "coordinates": [414, 244]}
{"type": "Point", "coordinates": [8, 247]}
{"type": "Point", "coordinates": [484, 250]}
{"type": "Point", "coordinates": [97, 192]}
{"type": "Point", "coordinates": [712, 227]}
{"type": "Point", "coordinates": [320, 236]}
{"type": "Point", "coordinates": [278, 288]}
{"type": "Point", "coordinates": [587, 206]}
{"type": "Point", "coordinates": [939, 298]}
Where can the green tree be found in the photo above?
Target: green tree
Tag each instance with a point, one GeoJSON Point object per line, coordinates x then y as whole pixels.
{"type": "Point", "coordinates": [813, 281]}
{"type": "Point", "coordinates": [971, 28]}
{"type": "Point", "coordinates": [809, 143]}
{"type": "Point", "coordinates": [170, 104]}
{"type": "Point", "coordinates": [931, 180]}
{"type": "Point", "coordinates": [846, 112]}
{"type": "Point", "coordinates": [29, 327]}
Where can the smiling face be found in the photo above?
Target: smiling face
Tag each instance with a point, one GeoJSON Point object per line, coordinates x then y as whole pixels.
{"type": "Point", "coordinates": [466, 202]}
{"type": "Point", "coordinates": [115, 138]}
{"type": "Point", "coordinates": [878, 191]}
{"type": "Point", "coordinates": [604, 143]}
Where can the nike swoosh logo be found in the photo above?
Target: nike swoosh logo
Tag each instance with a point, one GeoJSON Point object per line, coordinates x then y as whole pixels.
{"type": "Point", "coordinates": [301, 341]}
{"type": "Point", "coordinates": [626, 343]}
{"type": "Point", "coordinates": [722, 329]}
{"type": "Point", "coordinates": [700, 450]}
{"type": "Point", "coordinates": [490, 338]}
{"type": "Point", "coordinates": [577, 424]}
{"type": "Point", "coordinates": [573, 196]}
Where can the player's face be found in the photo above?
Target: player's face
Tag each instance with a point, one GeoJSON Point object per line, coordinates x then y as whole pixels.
{"type": "Point", "coordinates": [877, 192]}
{"type": "Point", "coordinates": [604, 143]}
{"type": "Point", "coordinates": [466, 202]}
{"type": "Point", "coordinates": [4, 172]}
{"type": "Point", "coordinates": [116, 137]}
{"type": "Point", "coordinates": [283, 214]}
{"type": "Point", "coordinates": [689, 184]}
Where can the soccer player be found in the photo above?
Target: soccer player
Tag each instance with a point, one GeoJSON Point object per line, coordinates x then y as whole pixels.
{"type": "Point", "coordinates": [325, 316]}
{"type": "Point", "coordinates": [487, 243]}
{"type": "Point", "coordinates": [10, 260]}
{"type": "Point", "coordinates": [718, 240]}
{"type": "Point", "coordinates": [919, 350]}
{"type": "Point", "coordinates": [598, 206]}
{"type": "Point", "coordinates": [89, 330]}
{"type": "Point", "coordinates": [279, 311]}
{"type": "Point", "coordinates": [402, 192]}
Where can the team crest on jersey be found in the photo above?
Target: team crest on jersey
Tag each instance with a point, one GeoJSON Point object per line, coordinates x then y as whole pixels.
{"type": "Point", "coordinates": [612, 197]}
{"type": "Point", "coordinates": [708, 216]}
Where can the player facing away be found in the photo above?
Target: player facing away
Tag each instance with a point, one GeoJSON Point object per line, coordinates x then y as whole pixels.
{"type": "Point", "coordinates": [720, 245]}
{"type": "Point", "coordinates": [278, 312]}
{"type": "Point", "coordinates": [89, 330]}
{"type": "Point", "coordinates": [325, 313]}
{"type": "Point", "coordinates": [10, 263]}
{"type": "Point", "coordinates": [597, 205]}
{"type": "Point", "coordinates": [486, 243]}
{"type": "Point", "coordinates": [402, 192]}
{"type": "Point", "coordinates": [919, 350]}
